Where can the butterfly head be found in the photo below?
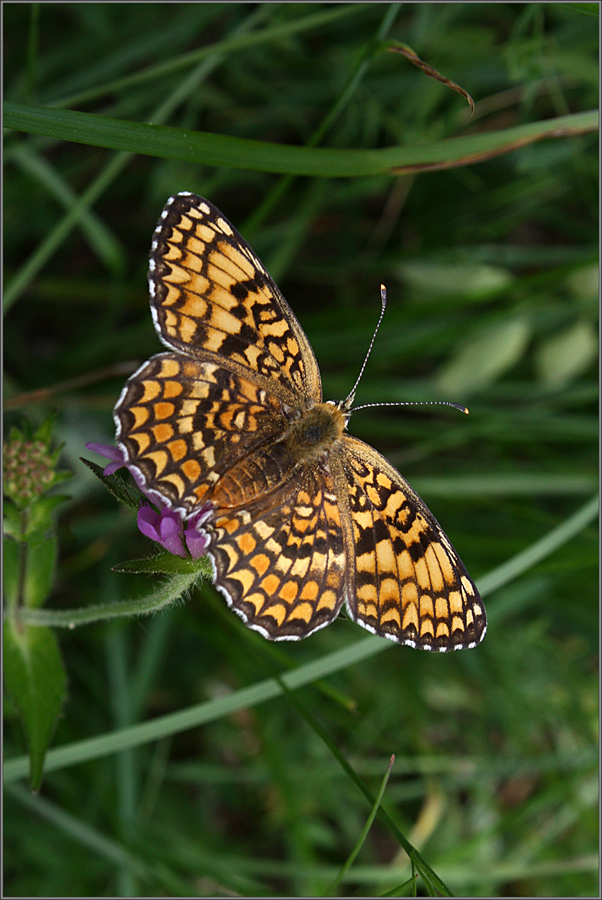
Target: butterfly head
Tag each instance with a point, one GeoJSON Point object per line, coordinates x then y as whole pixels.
{"type": "Point", "coordinates": [344, 407]}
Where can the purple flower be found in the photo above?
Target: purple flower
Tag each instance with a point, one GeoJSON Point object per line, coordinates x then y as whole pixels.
{"type": "Point", "coordinates": [110, 452]}
{"type": "Point", "coordinates": [197, 542]}
{"type": "Point", "coordinates": [165, 528]}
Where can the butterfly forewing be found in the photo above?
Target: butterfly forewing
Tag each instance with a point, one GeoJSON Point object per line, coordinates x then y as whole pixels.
{"type": "Point", "coordinates": [187, 424]}
{"type": "Point", "coordinates": [210, 292]}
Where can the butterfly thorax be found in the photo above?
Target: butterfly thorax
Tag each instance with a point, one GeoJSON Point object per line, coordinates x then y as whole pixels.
{"type": "Point", "coordinates": [312, 435]}
{"type": "Point", "coordinates": [271, 469]}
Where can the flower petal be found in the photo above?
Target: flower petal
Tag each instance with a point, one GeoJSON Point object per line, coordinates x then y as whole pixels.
{"type": "Point", "coordinates": [171, 528]}
{"type": "Point", "coordinates": [197, 542]}
{"type": "Point", "coordinates": [165, 528]}
{"type": "Point", "coordinates": [149, 523]}
{"type": "Point", "coordinates": [109, 452]}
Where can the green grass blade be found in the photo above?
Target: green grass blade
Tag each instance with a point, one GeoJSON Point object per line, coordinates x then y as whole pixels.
{"type": "Point", "coordinates": [263, 156]}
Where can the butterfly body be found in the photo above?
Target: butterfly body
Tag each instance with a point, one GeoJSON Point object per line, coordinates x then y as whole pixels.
{"type": "Point", "coordinates": [302, 517]}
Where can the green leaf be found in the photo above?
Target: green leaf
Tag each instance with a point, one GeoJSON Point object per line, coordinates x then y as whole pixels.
{"type": "Point", "coordinates": [35, 677]}
{"type": "Point", "coordinates": [565, 356]}
{"type": "Point", "coordinates": [582, 283]}
{"type": "Point", "coordinates": [589, 9]}
{"type": "Point", "coordinates": [362, 838]}
{"type": "Point", "coordinates": [44, 432]}
{"type": "Point", "coordinates": [13, 522]}
{"type": "Point", "coordinates": [115, 485]}
{"type": "Point", "coordinates": [485, 356]}
{"type": "Point", "coordinates": [472, 280]}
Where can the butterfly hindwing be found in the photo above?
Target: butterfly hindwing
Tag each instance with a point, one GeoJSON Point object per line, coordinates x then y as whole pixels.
{"type": "Point", "coordinates": [409, 583]}
{"type": "Point", "coordinates": [280, 562]}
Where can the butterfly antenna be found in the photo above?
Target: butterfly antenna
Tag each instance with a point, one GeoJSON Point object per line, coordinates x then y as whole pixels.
{"type": "Point", "coordinates": [414, 403]}
{"type": "Point", "coordinates": [351, 396]}
{"type": "Point", "coordinates": [346, 405]}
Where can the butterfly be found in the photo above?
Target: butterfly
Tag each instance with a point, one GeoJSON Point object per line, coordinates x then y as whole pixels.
{"type": "Point", "coordinates": [229, 429]}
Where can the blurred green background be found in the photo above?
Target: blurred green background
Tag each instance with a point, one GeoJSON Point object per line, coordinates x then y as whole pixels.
{"type": "Point", "coordinates": [492, 278]}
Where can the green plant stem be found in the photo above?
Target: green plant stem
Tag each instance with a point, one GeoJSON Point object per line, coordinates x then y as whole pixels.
{"type": "Point", "coordinates": [541, 549]}
{"type": "Point", "coordinates": [159, 599]}
{"type": "Point", "coordinates": [423, 867]}
{"type": "Point", "coordinates": [22, 562]}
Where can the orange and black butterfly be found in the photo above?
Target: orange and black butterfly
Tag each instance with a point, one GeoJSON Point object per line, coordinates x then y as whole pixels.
{"type": "Point", "coordinates": [301, 516]}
